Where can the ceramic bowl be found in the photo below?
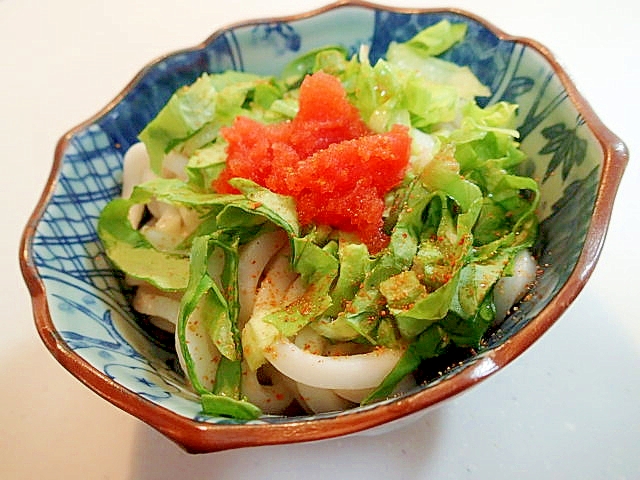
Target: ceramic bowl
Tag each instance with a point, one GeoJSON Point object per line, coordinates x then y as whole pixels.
{"type": "Point", "coordinates": [83, 316]}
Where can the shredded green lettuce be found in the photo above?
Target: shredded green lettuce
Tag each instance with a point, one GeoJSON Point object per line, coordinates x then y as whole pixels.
{"type": "Point", "coordinates": [456, 222]}
{"type": "Point", "coordinates": [194, 114]}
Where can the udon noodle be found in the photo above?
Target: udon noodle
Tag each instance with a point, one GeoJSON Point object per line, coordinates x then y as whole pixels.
{"type": "Point", "coordinates": [319, 375]}
{"type": "Point", "coordinates": [321, 239]}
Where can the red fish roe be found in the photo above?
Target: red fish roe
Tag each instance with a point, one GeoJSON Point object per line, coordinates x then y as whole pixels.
{"type": "Point", "coordinates": [326, 158]}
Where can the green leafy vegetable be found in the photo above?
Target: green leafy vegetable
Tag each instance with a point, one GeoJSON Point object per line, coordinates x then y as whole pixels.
{"type": "Point", "coordinates": [131, 252]}
{"type": "Point", "coordinates": [455, 224]}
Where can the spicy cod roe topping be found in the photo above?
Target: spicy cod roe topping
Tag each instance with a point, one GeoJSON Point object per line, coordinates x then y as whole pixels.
{"type": "Point", "coordinates": [336, 168]}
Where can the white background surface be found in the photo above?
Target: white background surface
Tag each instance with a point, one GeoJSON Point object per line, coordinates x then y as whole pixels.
{"type": "Point", "coordinates": [569, 408]}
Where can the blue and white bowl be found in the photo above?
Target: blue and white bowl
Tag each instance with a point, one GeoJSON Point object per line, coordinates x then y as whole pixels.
{"type": "Point", "coordinates": [83, 316]}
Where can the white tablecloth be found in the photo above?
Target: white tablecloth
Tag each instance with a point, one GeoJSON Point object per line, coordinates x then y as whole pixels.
{"type": "Point", "coordinates": [566, 409]}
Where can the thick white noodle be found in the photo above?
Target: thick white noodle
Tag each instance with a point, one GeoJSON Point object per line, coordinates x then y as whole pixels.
{"type": "Point", "coordinates": [313, 399]}
{"type": "Point", "coordinates": [354, 372]}
{"type": "Point", "coordinates": [311, 341]}
{"type": "Point", "coordinates": [254, 256]}
{"type": "Point", "coordinates": [273, 398]}
{"type": "Point", "coordinates": [158, 304]}
{"type": "Point", "coordinates": [170, 224]}
{"type": "Point", "coordinates": [136, 169]}
{"type": "Point", "coordinates": [174, 166]}
{"type": "Point", "coordinates": [269, 297]}
{"type": "Point", "coordinates": [321, 400]}
{"type": "Point", "coordinates": [204, 354]}
{"type": "Point", "coordinates": [355, 396]}
{"type": "Point", "coordinates": [509, 290]}
{"type": "Point", "coordinates": [163, 324]}
{"type": "Point", "coordinates": [295, 290]}
{"type": "Point", "coordinates": [277, 280]}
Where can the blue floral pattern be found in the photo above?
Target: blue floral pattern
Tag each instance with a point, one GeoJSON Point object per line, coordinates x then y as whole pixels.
{"type": "Point", "coordinates": [87, 304]}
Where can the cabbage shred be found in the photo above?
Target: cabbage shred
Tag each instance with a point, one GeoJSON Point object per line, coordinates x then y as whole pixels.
{"type": "Point", "coordinates": [456, 222]}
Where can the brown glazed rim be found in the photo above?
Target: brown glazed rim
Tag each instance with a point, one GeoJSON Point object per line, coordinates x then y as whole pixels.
{"type": "Point", "coordinates": [198, 437]}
